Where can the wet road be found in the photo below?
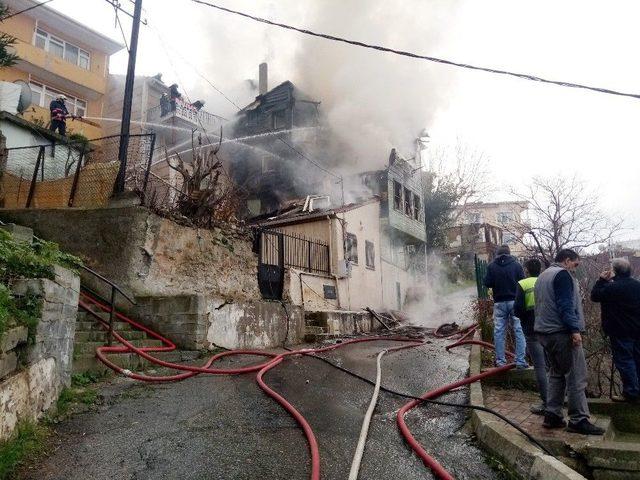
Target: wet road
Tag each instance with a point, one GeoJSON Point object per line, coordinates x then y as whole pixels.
{"type": "Point", "coordinates": [218, 427]}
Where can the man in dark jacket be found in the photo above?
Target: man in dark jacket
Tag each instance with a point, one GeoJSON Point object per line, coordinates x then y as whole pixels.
{"type": "Point", "coordinates": [502, 277]}
{"type": "Point", "coordinates": [524, 310]}
{"type": "Point", "coordinates": [559, 324]}
{"type": "Point", "coordinates": [619, 295]}
{"type": "Point", "coordinates": [59, 114]}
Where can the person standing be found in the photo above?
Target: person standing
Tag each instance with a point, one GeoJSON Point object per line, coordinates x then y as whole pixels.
{"type": "Point", "coordinates": [619, 295]}
{"type": "Point", "coordinates": [502, 277]}
{"type": "Point", "coordinates": [524, 310]}
{"type": "Point", "coordinates": [59, 114]}
{"type": "Point", "coordinates": [559, 323]}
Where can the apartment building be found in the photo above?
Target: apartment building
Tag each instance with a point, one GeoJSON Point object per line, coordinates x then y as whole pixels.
{"type": "Point", "coordinates": [59, 55]}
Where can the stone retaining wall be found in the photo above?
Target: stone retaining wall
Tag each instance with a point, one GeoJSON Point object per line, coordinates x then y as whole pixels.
{"type": "Point", "coordinates": [32, 375]}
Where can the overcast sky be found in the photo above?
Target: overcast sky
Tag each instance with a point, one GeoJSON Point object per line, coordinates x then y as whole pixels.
{"type": "Point", "coordinates": [525, 128]}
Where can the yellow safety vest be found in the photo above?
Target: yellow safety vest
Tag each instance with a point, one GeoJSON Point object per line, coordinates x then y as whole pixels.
{"type": "Point", "coordinates": [527, 285]}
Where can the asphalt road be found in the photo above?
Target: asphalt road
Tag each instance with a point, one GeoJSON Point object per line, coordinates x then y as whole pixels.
{"type": "Point", "coordinates": [224, 427]}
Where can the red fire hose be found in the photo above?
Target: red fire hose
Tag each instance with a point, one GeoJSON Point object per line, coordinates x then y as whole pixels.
{"type": "Point", "coordinates": [274, 361]}
{"type": "Point", "coordinates": [262, 368]}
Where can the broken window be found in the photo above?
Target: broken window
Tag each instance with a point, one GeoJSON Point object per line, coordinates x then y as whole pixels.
{"type": "Point", "coordinates": [417, 208]}
{"type": "Point", "coordinates": [397, 195]}
{"type": "Point", "coordinates": [351, 248]}
{"type": "Point", "coordinates": [408, 205]}
{"type": "Point", "coordinates": [279, 119]}
{"type": "Point", "coordinates": [370, 254]}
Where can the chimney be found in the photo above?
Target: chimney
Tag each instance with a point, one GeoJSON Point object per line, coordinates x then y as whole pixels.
{"type": "Point", "coordinates": [263, 79]}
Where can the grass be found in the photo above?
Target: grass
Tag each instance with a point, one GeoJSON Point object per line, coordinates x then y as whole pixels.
{"type": "Point", "coordinates": [504, 472]}
{"type": "Point", "coordinates": [80, 393]}
{"type": "Point", "coordinates": [26, 260]}
{"type": "Point", "coordinates": [27, 442]}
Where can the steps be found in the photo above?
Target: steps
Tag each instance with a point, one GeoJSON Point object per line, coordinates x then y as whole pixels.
{"type": "Point", "coordinates": [90, 335]}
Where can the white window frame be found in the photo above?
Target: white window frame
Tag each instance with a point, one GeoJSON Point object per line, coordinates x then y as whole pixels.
{"type": "Point", "coordinates": [48, 37]}
{"type": "Point", "coordinates": [72, 100]}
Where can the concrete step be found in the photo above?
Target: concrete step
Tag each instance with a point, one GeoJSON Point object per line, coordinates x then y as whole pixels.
{"type": "Point", "coordinates": [88, 362]}
{"type": "Point", "coordinates": [101, 335]}
{"type": "Point", "coordinates": [90, 347]}
{"type": "Point", "coordinates": [94, 325]}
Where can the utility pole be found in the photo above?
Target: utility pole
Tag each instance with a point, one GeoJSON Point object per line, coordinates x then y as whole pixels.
{"type": "Point", "coordinates": [128, 96]}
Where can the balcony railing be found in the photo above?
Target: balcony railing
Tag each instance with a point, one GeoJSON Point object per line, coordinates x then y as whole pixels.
{"type": "Point", "coordinates": [187, 112]}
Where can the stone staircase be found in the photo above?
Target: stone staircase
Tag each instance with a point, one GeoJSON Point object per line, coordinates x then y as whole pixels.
{"type": "Point", "coordinates": [90, 334]}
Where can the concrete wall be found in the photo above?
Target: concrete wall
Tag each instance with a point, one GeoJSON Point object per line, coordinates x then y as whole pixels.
{"type": "Point", "coordinates": [364, 286]}
{"type": "Point", "coordinates": [307, 290]}
{"type": "Point", "coordinates": [32, 376]}
{"type": "Point", "coordinates": [200, 321]}
{"type": "Point", "coordinates": [147, 254]}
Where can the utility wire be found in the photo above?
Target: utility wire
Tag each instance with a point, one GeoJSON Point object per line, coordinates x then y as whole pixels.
{"type": "Point", "coordinates": [25, 10]}
{"type": "Point", "coordinates": [404, 53]}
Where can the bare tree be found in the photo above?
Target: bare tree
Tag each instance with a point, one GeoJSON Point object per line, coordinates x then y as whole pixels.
{"type": "Point", "coordinates": [563, 213]}
{"type": "Point", "coordinates": [204, 197]}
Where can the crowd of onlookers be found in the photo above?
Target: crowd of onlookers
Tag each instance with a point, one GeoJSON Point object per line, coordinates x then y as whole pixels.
{"type": "Point", "coordinates": [544, 311]}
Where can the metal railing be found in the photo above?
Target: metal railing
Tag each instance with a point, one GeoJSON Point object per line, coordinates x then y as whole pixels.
{"type": "Point", "coordinates": [187, 112]}
{"type": "Point", "coordinates": [112, 298]}
{"type": "Point", "coordinates": [295, 251]}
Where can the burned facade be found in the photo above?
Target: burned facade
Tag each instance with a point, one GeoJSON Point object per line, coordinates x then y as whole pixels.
{"type": "Point", "coordinates": [403, 233]}
{"type": "Point", "coordinates": [271, 136]}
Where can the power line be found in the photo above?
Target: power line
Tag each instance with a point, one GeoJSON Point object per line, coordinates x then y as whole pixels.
{"type": "Point", "coordinates": [523, 76]}
{"type": "Point", "coordinates": [25, 10]}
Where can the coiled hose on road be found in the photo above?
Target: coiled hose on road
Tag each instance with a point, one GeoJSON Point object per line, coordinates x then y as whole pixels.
{"type": "Point", "coordinates": [88, 302]}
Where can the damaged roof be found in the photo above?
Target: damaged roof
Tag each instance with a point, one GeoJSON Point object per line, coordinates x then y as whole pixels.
{"type": "Point", "coordinates": [293, 212]}
{"type": "Point", "coordinates": [278, 94]}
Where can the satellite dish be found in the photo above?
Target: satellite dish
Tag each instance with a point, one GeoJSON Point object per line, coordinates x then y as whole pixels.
{"type": "Point", "coordinates": [25, 95]}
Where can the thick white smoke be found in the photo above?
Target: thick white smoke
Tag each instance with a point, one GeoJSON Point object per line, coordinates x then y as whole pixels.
{"type": "Point", "coordinates": [373, 101]}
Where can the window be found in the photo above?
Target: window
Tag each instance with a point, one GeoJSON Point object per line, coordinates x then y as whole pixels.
{"type": "Point", "coordinates": [41, 39]}
{"type": "Point", "coordinates": [370, 254]}
{"type": "Point", "coordinates": [508, 238]}
{"type": "Point", "coordinates": [504, 217]}
{"type": "Point", "coordinates": [62, 49]}
{"type": "Point", "coordinates": [56, 47]}
{"type": "Point", "coordinates": [474, 217]}
{"type": "Point", "coordinates": [83, 59]}
{"type": "Point", "coordinates": [351, 248]}
{"type": "Point", "coordinates": [43, 95]}
{"type": "Point", "coordinates": [417, 208]}
{"type": "Point", "coordinates": [408, 204]}
{"type": "Point", "coordinates": [279, 119]}
{"type": "Point", "coordinates": [397, 195]}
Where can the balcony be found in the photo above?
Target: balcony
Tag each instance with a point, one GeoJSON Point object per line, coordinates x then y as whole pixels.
{"type": "Point", "coordinates": [60, 73]}
{"type": "Point", "coordinates": [180, 113]}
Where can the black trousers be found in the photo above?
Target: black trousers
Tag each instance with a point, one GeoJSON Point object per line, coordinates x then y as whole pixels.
{"type": "Point", "coordinates": [60, 126]}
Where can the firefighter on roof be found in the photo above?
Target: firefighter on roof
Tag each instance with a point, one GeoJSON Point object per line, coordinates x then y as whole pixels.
{"type": "Point", "coordinates": [59, 114]}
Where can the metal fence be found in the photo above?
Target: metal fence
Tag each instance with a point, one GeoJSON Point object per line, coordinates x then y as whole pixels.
{"type": "Point", "coordinates": [480, 271]}
{"type": "Point", "coordinates": [295, 251]}
{"type": "Point", "coordinates": [73, 174]}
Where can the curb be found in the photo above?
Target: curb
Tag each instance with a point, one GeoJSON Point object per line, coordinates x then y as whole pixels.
{"type": "Point", "coordinates": [508, 444]}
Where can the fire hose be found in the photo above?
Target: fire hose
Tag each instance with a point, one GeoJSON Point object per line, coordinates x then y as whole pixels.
{"type": "Point", "coordinates": [274, 360]}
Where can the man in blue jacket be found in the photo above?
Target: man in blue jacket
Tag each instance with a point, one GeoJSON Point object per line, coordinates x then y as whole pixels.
{"type": "Point", "coordinates": [620, 298]}
{"type": "Point", "coordinates": [502, 278]}
{"type": "Point", "coordinates": [559, 323]}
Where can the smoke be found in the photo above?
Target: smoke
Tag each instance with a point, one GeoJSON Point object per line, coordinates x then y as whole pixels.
{"type": "Point", "coordinates": [372, 101]}
{"type": "Point", "coordinates": [443, 301]}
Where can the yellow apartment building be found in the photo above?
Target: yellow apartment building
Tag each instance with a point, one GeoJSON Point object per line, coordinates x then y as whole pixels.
{"type": "Point", "coordinates": [59, 55]}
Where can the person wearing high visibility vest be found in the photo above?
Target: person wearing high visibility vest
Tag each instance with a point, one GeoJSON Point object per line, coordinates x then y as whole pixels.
{"type": "Point", "coordinates": [524, 310]}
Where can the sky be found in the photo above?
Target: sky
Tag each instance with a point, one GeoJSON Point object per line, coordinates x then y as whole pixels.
{"type": "Point", "coordinates": [378, 100]}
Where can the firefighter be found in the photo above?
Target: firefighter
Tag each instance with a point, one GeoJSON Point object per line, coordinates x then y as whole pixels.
{"type": "Point", "coordinates": [59, 114]}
